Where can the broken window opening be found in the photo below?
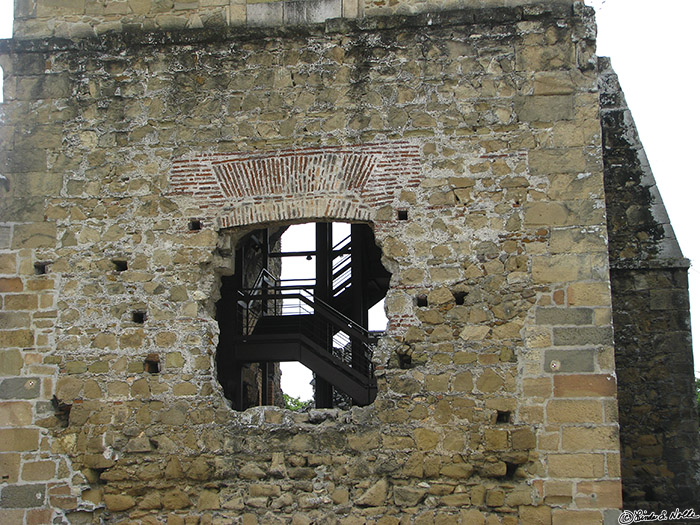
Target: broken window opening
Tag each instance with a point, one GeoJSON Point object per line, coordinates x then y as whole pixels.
{"type": "Point", "coordinates": [304, 298]}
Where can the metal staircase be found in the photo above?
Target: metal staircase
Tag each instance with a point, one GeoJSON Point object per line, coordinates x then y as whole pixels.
{"type": "Point", "coordinates": [283, 321]}
{"type": "Point", "coordinates": [320, 322]}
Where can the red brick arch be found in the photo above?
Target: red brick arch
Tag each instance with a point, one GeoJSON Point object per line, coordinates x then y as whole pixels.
{"type": "Point", "coordinates": [333, 182]}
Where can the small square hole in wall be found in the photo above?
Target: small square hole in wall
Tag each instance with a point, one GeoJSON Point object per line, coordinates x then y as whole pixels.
{"type": "Point", "coordinates": [459, 297]}
{"type": "Point", "coordinates": [502, 416]}
{"type": "Point", "coordinates": [421, 300]}
{"type": "Point", "coordinates": [138, 317]}
{"type": "Point", "coordinates": [402, 215]}
{"type": "Point", "coordinates": [152, 364]}
{"type": "Point", "coordinates": [41, 268]}
{"type": "Point", "coordinates": [404, 361]}
{"type": "Point", "coordinates": [195, 225]}
{"type": "Point", "coordinates": [120, 265]}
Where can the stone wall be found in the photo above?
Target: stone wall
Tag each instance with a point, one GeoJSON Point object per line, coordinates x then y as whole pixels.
{"type": "Point", "coordinates": [651, 314]}
{"type": "Point", "coordinates": [500, 290]}
{"type": "Point", "coordinates": [81, 18]}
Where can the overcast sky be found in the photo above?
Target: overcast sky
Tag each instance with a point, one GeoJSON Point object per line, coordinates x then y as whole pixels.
{"type": "Point", "coordinates": [653, 46]}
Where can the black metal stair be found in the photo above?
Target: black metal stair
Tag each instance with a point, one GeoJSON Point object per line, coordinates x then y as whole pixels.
{"type": "Point", "coordinates": [324, 340]}
{"type": "Point", "coordinates": [280, 347]}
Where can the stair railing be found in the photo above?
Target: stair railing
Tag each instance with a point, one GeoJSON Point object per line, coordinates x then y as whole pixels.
{"type": "Point", "coordinates": [271, 297]}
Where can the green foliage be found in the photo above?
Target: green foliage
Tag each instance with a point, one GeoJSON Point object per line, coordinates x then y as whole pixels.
{"type": "Point", "coordinates": [297, 405]}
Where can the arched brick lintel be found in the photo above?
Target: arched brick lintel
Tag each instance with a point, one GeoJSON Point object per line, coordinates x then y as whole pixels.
{"type": "Point", "coordinates": [332, 182]}
{"type": "Point", "coordinates": [296, 209]}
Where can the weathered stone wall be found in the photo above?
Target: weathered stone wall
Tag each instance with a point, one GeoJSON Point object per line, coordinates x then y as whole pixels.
{"type": "Point", "coordinates": [500, 288]}
{"type": "Point", "coordinates": [81, 18]}
{"type": "Point", "coordinates": [651, 314]}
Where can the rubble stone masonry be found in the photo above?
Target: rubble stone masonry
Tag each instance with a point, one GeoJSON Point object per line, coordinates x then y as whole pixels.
{"type": "Point", "coordinates": [470, 140]}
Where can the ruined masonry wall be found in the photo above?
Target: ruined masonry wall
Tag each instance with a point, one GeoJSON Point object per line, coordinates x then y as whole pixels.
{"type": "Point", "coordinates": [651, 313]}
{"type": "Point", "coordinates": [81, 18]}
{"type": "Point", "coordinates": [508, 413]}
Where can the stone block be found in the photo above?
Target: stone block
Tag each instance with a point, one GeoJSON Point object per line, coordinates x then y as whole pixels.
{"type": "Point", "coordinates": [475, 333]}
{"type": "Point", "coordinates": [577, 439]}
{"type": "Point", "coordinates": [495, 497]}
{"type": "Point", "coordinates": [34, 235]}
{"type": "Point", "coordinates": [43, 87]}
{"type": "Point", "coordinates": [554, 56]}
{"type": "Point", "coordinates": [171, 22]}
{"type": "Point", "coordinates": [576, 465]}
{"type": "Point", "coordinates": [560, 268]}
{"type": "Point", "coordinates": [20, 388]}
{"type": "Point", "coordinates": [573, 240]}
{"type": "Point", "coordinates": [374, 496]}
{"type": "Point", "coordinates": [564, 316]}
{"type": "Point", "coordinates": [553, 108]}
{"type": "Point", "coordinates": [176, 499]}
{"type": "Point", "coordinates": [584, 385]}
{"type": "Point", "coordinates": [8, 261]}
{"type": "Point", "coordinates": [208, 500]}
{"type": "Point", "coordinates": [15, 413]}
{"type": "Point", "coordinates": [118, 502]}
{"type": "Point", "coordinates": [535, 515]}
{"type": "Point", "coordinates": [426, 439]}
{"type": "Point", "coordinates": [16, 339]}
{"type": "Point", "coordinates": [553, 83]}
{"type": "Point", "coordinates": [560, 160]}
{"type": "Point", "coordinates": [461, 499]}
{"type": "Point", "coordinates": [463, 382]}
{"type": "Point", "coordinates": [9, 467]}
{"type": "Point", "coordinates": [11, 285]}
{"type": "Point", "coordinates": [351, 9]}
{"type": "Point", "coordinates": [489, 381]}
{"type": "Point", "coordinates": [472, 517]}
{"type": "Point", "coordinates": [574, 411]}
{"type": "Point", "coordinates": [142, 7]}
{"type": "Point", "coordinates": [495, 439]}
{"type": "Point", "coordinates": [576, 517]}
{"type": "Point", "coordinates": [19, 439]}
{"type": "Point", "coordinates": [569, 361]}
{"type": "Point", "coordinates": [265, 14]}
{"type": "Point", "coordinates": [582, 336]}
{"type": "Point", "coordinates": [23, 496]}
{"type": "Point", "coordinates": [38, 470]}
{"type": "Point", "coordinates": [523, 439]}
{"type": "Point", "coordinates": [11, 361]}
{"type": "Point", "coordinates": [407, 496]}
{"type": "Point", "coordinates": [311, 11]}
{"type": "Point", "coordinates": [21, 301]}
{"type": "Point", "coordinates": [462, 470]}
{"type": "Point", "coordinates": [599, 494]}
{"type": "Point", "coordinates": [588, 294]}
{"type": "Point", "coordinates": [10, 320]}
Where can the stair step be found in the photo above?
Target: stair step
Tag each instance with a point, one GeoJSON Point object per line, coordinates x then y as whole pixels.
{"type": "Point", "coordinates": [296, 347]}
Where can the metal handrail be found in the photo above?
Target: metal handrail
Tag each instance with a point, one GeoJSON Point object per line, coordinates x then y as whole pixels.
{"type": "Point", "coordinates": [342, 337]}
{"type": "Point", "coordinates": [311, 300]}
{"type": "Point", "coordinates": [336, 318]}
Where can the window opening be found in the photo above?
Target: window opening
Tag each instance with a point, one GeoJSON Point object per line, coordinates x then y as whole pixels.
{"type": "Point", "coordinates": [306, 298]}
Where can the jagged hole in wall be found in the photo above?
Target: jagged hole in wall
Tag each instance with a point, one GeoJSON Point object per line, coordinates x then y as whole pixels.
{"type": "Point", "coordinates": [300, 316]}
